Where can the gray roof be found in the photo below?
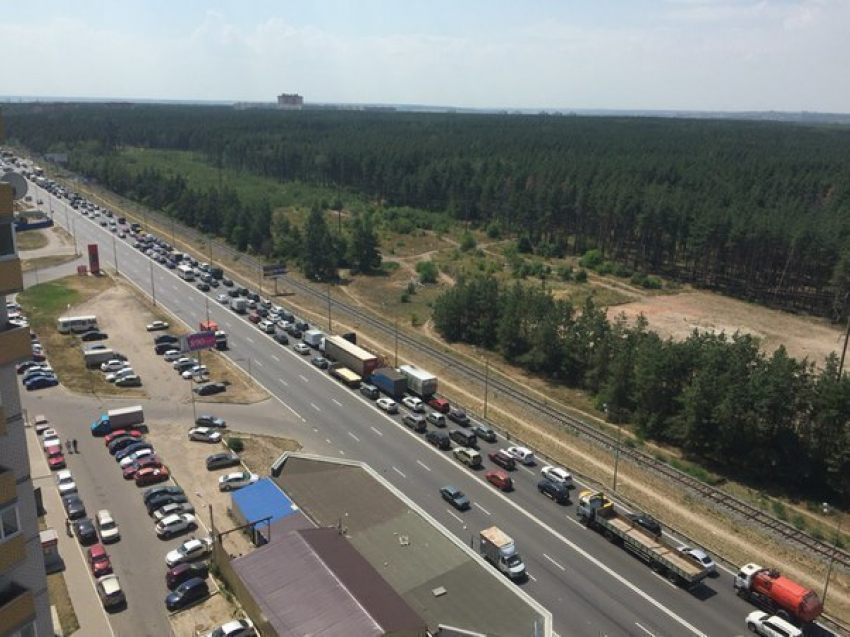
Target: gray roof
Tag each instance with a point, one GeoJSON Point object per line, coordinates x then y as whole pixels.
{"type": "Point", "coordinates": [410, 553]}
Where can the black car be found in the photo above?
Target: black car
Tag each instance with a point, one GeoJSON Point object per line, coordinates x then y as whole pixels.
{"type": "Point", "coordinates": [121, 442]}
{"type": "Point", "coordinates": [281, 338]}
{"type": "Point", "coordinates": [459, 416]}
{"type": "Point", "coordinates": [455, 497]}
{"type": "Point", "coordinates": [233, 293]}
{"type": "Point", "coordinates": [85, 531]}
{"type": "Point", "coordinates": [159, 501]}
{"type": "Point", "coordinates": [253, 296]}
{"type": "Point", "coordinates": [183, 572]}
{"type": "Point", "coordinates": [203, 287]}
{"type": "Point", "coordinates": [208, 420]}
{"type": "Point", "coordinates": [646, 522]}
{"type": "Point", "coordinates": [293, 331]}
{"type": "Point", "coordinates": [555, 490]}
{"type": "Point", "coordinates": [210, 388]}
{"type": "Point", "coordinates": [94, 336]}
{"type": "Point", "coordinates": [439, 439]}
{"type": "Point", "coordinates": [227, 283]}
{"type": "Point", "coordinates": [149, 494]}
{"type": "Point", "coordinates": [162, 348]}
{"type": "Point", "coordinates": [74, 507]}
{"type": "Point", "coordinates": [301, 324]}
{"type": "Point", "coordinates": [485, 433]}
{"type": "Point", "coordinates": [222, 460]}
{"type": "Point", "coordinates": [415, 422]}
{"type": "Point", "coordinates": [189, 592]}
{"type": "Point", "coordinates": [321, 362]}
{"type": "Point", "coordinates": [370, 391]}
{"type": "Point", "coordinates": [165, 338]}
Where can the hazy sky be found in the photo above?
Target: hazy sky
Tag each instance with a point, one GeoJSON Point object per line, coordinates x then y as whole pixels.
{"type": "Point", "coordinates": [788, 55]}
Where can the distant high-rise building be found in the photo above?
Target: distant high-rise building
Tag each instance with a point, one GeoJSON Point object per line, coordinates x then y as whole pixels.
{"type": "Point", "coordinates": [24, 602]}
{"type": "Point", "coordinates": [292, 102]}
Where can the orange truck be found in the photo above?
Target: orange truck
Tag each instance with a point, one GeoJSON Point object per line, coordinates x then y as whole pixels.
{"type": "Point", "coordinates": [220, 335]}
{"type": "Point", "coordinates": [768, 589]}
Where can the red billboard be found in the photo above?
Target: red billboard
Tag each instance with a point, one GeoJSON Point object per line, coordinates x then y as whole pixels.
{"type": "Point", "coordinates": [94, 259]}
{"type": "Point", "coordinates": [197, 341]}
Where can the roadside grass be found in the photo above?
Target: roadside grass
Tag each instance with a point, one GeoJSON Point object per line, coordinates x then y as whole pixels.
{"type": "Point", "coordinates": [31, 240]}
{"type": "Point", "coordinates": [45, 303]}
{"type": "Point", "coordinates": [57, 590]}
{"type": "Point", "coordinates": [27, 265]}
{"type": "Point", "coordinates": [260, 452]}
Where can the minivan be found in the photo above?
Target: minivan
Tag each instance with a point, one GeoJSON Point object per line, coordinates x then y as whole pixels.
{"type": "Point", "coordinates": [464, 438]}
{"type": "Point", "coordinates": [370, 391]}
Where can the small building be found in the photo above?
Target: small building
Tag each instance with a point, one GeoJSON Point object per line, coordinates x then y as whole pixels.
{"type": "Point", "coordinates": [290, 101]}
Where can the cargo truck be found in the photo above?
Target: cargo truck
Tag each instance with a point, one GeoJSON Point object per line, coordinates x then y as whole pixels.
{"type": "Point", "coordinates": [116, 419]}
{"type": "Point", "coordinates": [344, 375]}
{"type": "Point", "coordinates": [500, 550]}
{"type": "Point", "coordinates": [220, 335]}
{"type": "Point", "coordinates": [353, 357]}
{"type": "Point", "coordinates": [313, 338]}
{"type": "Point", "coordinates": [390, 381]}
{"type": "Point", "coordinates": [419, 381]}
{"type": "Point", "coordinates": [598, 512]}
{"type": "Point", "coordinates": [239, 305]}
{"type": "Point", "coordinates": [778, 595]}
{"type": "Point", "coordinates": [95, 357]}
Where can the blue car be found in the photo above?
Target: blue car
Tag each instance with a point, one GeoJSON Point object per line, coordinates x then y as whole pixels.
{"type": "Point", "coordinates": [171, 265]}
{"type": "Point", "coordinates": [37, 373]}
{"type": "Point", "coordinates": [41, 382]}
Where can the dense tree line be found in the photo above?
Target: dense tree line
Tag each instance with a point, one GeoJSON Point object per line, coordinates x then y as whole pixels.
{"type": "Point", "coordinates": [755, 209]}
{"type": "Point", "coordinates": [764, 419]}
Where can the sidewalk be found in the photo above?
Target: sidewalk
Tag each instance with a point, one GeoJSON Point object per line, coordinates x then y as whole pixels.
{"type": "Point", "coordinates": [90, 614]}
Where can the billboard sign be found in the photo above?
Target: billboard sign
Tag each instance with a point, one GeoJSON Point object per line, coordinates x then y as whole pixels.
{"type": "Point", "coordinates": [274, 270]}
{"type": "Point", "coordinates": [197, 341]}
{"type": "Point", "coordinates": [94, 259]}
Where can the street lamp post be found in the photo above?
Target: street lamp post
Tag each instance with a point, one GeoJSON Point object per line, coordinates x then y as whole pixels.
{"type": "Point", "coordinates": [330, 329]}
{"type": "Point", "coordinates": [192, 397]}
{"type": "Point", "coordinates": [828, 510]}
{"type": "Point", "coordinates": [207, 302]}
{"type": "Point", "coordinates": [486, 383]}
{"type": "Point", "coordinates": [115, 254]}
{"type": "Point", "coordinates": [153, 287]}
{"type": "Point", "coordinates": [396, 340]}
{"type": "Point", "coordinates": [74, 232]}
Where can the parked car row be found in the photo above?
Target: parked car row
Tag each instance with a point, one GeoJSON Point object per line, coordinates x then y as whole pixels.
{"type": "Point", "coordinates": [36, 373]}
{"type": "Point", "coordinates": [168, 346]}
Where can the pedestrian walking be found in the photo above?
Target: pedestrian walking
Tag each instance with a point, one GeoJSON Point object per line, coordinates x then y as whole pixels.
{"type": "Point", "coordinates": [76, 449]}
{"type": "Point", "coordinates": [68, 446]}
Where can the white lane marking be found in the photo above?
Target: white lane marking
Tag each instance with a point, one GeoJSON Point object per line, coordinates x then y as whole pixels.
{"type": "Point", "coordinates": [249, 339]}
{"type": "Point", "coordinates": [531, 577]}
{"type": "Point", "coordinates": [341, 452]}
{"type": "Point", "coordinates": [482, 508]}
{"type": "Point", "coordinates": [645, 630]}
{"type": "Point", "coordinates": [313, 405]}
{"type": "Point", "coordinates": [664, 579]}
{"type": "Point", "coordinates": [423, 465]}
{"type": "Point", "coordinates": [227, 323]}
{"type": "Point", "coordinates": [283, 382]}
{"type": "Point", "coordinates": [399, 472]}
{"type": "Point", "coordinates": [302, 378]}
{"type": "Point", "coordinates": [276, 358]}
{"type": "Point", "coordinates": [328, 440]}
{"type": "Point", "coordinates": [376, 431]}
{"type": "Point", "coordinates": [337, 402]}
{"type": "Point", "coordinates": [454, 516]}
{"type": "Point", "coordinates": [353, 436]}
{"type": "Point", "coordinates": [530, 472]}
{"type": "Point", "coordinates": [176, 289]}
{"type": "Point", "coordinates": [554, 562]}
{"type": "Point", "coordinates": [574, 521]}
{"type": "Point", "coordinates": [258, 363]}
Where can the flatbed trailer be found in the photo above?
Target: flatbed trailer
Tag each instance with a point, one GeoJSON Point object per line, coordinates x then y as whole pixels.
{"type": "Point", "coordinates": [598, 513]}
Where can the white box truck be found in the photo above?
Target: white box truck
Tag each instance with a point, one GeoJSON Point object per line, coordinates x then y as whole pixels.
{"type": "Point", "coordinates": [420, 382]}
{"type": "Point", "coordinates": [499, 549]}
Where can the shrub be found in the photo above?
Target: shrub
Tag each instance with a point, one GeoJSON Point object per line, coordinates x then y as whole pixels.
{"type": "Point", "coordinates": [427, 271]}
{"type": "Point", "coordinates": [591, 259]}
{"type": "Point", "coordinates": [581, 276]}
{"type": "Point", "coordinates": [494, 230]}
{"type": "Point", "coordinates": [467, 242]}
{"type": "Point", "coordinates": [237, 445]}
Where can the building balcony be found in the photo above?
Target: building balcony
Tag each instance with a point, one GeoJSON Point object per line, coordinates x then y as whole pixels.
{"type": "Point", "coordinates": [12, 552]}
{"type": "Point", "coordinates": [15, 344]}
{"type": "Point", "coordinates": [11, 276]}
{"type": "Point", "coordinates": [17, 608]}
{"type": "Point", "coordinates": [3, 426]}
{"type": "Point", "coordinates": [8, 490]}
{"type": "Point", "coordinates": [7, 208]}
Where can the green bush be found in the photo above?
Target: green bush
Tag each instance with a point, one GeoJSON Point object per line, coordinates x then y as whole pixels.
{"type": "Point", "coordinates": [427, 271]}
{"type": "Point", "coordinates": [237, 445]}
{"type": "Point", "coordinates": [581, 276]}
{"type": "Point", "coordinates": [591, 259]}
{"type": "Point", "coordinates": [467, 242]}
{"type": "Point", "coordinates": [494, 230]}
{"type": "Point", "coordinates": [779, 510]}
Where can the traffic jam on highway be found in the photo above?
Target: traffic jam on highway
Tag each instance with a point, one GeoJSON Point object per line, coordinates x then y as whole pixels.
{"type": "Point", "coordinates": [410, 396]}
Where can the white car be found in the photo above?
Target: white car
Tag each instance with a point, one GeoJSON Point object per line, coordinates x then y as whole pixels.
{"type": "Point", "coordinates": [522, 455]}
{"type": "Point", "coordinates": [65, 482]}
{"type": "Point", "coordinates": [223, 298]}
{"type": "Point", "coordinates": [557, 474]}
{"type": "Point", "coordinates": [136, 455]}
{"type": "Point", "coordinates": [761, 623]}
{"type": "Point", "coordinates": [51, 442]}
{"type": "Point", "coordinates": [204, 434]}
{"type": "Point", "coordinates": [301, 348]}
{"type": "Point", "coordinates": [156, 325]}
{"type": "Point", "coordinates": [172, 355]}
{"type": "Point", "coordinates": [266, 326]}
{"type": "Point", "coordinates": [182, 361]}
{"type": "Point", "coordinates": [388, 405]}
{"type": "Point", "coordinates": [50, 433]}
{"type": "Point", "coordinates": [234, 628]}
{"type": "Point", "coordinates": [236, 480]}
{"type": "Point", "coordinates": [413, 404]}
{"type": "Point", "coordinates": [121, 373]}
{"type": "Point", "coordinates": [107, 527]}
{"type": "Point", "coordinates": [190, 551]}
{"type": "Point", "coordinates": [174, 508]}
{"type": "Point", "coordinates": [196, 371]}
{"type": "Point", "coordinates": [113, 366]}
{"type": "Point", "coordinates": [173, 524]}
{"type": "Point", "coordinates": [699, 556]}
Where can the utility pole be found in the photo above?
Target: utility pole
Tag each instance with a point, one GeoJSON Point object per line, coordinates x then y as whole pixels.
{"type": "Point", "coordinates": [115, 255]}
{"type": "Point", "coordinates": [330, 328]}
{"type": "Point", "coordinates": [486, 384]}
{"type": "Point", "coordinates": [153, 288]}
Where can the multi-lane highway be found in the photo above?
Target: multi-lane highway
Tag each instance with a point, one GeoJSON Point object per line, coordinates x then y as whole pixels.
{"type": "Point", "coordinates": [590, 586]}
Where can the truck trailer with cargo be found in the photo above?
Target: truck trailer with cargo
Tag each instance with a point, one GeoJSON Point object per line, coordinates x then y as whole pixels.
{"type": "Point", "coordinates": [115, 419]}
{"type": "Point", "coordinates": [420, 382]}
{"type": "Point", "coordinates": [598, 512]}
{"type": "Point", "coordinates": [344, 375]}
{"type": "Point", "coordinates": [499, 549]}
{"type": "Point", "coordinates": [352, 356]}
{"type": "Point", "coordinates": [771, 591]}
{"type": "Point", "coordinates": [390, 381]}
{"type": "Point", "coordinates": [94, 357]}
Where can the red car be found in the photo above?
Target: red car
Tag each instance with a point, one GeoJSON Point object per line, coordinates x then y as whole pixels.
{"type": "Point", "coordinates": [122, 432]}
{"type": "Point", "coordinates": [99, 560]}
{"type": "Point", "coordinates": [254, 317]}
{"type": "Point", "coordinates": [440, 404]}
{"type": "Point", "coordinates": [55, 457]}
{"type": "Point", "coordinates": [148, 462]}
{"type": "Point", "coordinates": [151, 475]}
{"type": "Point", "coordinates": [500, 479]}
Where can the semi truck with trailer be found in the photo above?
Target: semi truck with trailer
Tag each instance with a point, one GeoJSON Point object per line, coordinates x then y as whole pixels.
{"type": "Point", "coordinates": [598, 512]}
{"type": "Point", "coordinates": [420, 382]}
{"type": "Point", "coordinates": [115, 419]}
{"type": "Point", "coordinates": [352, 356]}
{"type": "Point", "coordinates": [344, 375]}
{"type": "Point", "coordinates": [770, 590]}
{"type": "Point", "coordinates": [390, 381]}
{"type": "Point", "coordinates": [499, 549]}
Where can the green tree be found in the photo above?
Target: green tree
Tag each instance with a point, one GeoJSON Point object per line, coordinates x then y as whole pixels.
{"type": "Point", "coordinates": [364, 247]}
{"type": "Point", "coordinates": [427, 271]}
{"type": "Point", "coordinates": [318, 258]}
